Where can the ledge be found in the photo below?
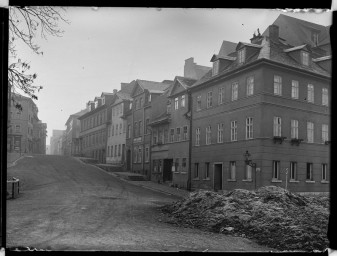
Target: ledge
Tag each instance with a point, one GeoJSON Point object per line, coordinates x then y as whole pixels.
{"type": "Point", "coordinates": [250, 180]}
{"type": "Point", "coordinates": [294, 181]}
{"type": "Point", "coordinates": [196, 179]}
{"type": "Point", "coordinates": [309, 181]}
{"type": "Point", "coordinates": [276, 181]}
{"type": "Point", "coordinates": [206, 179]}
{"type": "Point", "coordinates": [325, 181]}
{"type": "Point", "coordinates": [231, 180]}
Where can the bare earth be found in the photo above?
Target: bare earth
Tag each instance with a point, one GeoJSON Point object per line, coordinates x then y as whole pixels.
{"type": "Point", "coordinates": [68, 205]}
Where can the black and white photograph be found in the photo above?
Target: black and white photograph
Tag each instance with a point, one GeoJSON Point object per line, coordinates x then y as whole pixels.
{"type": "Point", "coordinates": [168, 129]}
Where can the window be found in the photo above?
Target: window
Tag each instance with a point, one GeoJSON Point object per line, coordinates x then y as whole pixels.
{"type": "Point", "coordinates": [309, 175]}
{"type": "Point", "coordinates": [178, 134]}
{"type": "Point", "coordinates": [112, 150]}
{"type": "Point", "coordinates": [166, 136]}
{"type": "Point", "coordinates": [249, 128]}
{"type": "Point", "coordinates": [168, 108]}
{"type": "Point", "coordinates": [185, 133]}
{"type": "Point", "coordinates": [294, 89]}
{"type": "Point", "coordinates": [176, 165]}
{"type": "Point", "coordinates": [293, 171]}
{"type": "Point", "coordinates": [294, 129]}
{"type": "Point", "coordinates": [276, 170]}
{"type": "Point", "coordinates": [199, 102]}
{"type": "Point", "coordinates": [135, 130]}
{"type": "Point", "coordinates": [232, 173]}
{"type": "Point", "coordinates": [119, 150]}
{"type": "Point", "coordinates": [248, 175]}
{"type": "Point", "coordinates": [120, 128]}
{"type": "Point", "coordinates": [277, 126]}
{"type": "Point", "coordinates": [325, 97]}
{"type": "Point", "coordinates": [176, 103]}
{"type": "Point", "coordinates": [196, 170]}
{"type": "Point", "coordinates": [141, 102]}
{"type": "Point", "coordinates": [208, 135]}
{"type": "Point", "coordinates": [135, 154]}
{"type": "Point", "coordinates": [221, 95]}
{"type": "Point", "coordinates": [314, 38]}
{"type": "Point", "coordinates": [220, 133]}
{"type": "Point", "coordinates": [159, 165]}
{"type": "Point", "coordinates": [250, 85]}
{"type": "Point", "coordinates": [147, 121]}
{"type": "Point", "coordinates": [234, 132]}
{"type": "Point", "coordinates": [324, 172]}
{"type": "Point", "coordinates": [147, 155]}
{"type": "Point", "coordinates": [197, 137]}
{"type": "Point", "coordinates": [241, 56]}
{"type": "Point", "coordinates": [129, 131]}
{"type": "Point", "coordinates": [207, 170]}
{"type": "Point", "coordinates": [235, 87]}
{"type": "Point", "coordinates": [17, 128]}
{"type": "Point", "coordinates": [139, 155]}
{"type": "Point", "coordinates": [172, 135]}
{"type": "Point", "coordinates": [310, 132]}
{"type": "Point", "coordinates": [140, 128]}
{"type": "Point", "coordinates": [154, 166]}
{"type": "Point", "coordinates": [305, 58]}
{"type": "Point", "coordinates": [155, 137]}
{"type": "Point", "coordinates": [215, 69]}
{"type": "Point", "coordinates": [209, 99]}
{"type": "Point", "coordinates": [310, 93]}
{"type": "Point", "coordinates": [325, 133]}
{"type": "Point", "coordinates": [124, 127]}
{"type": "Point", "coordinates": [183, 101]}
{"type": "Point", "coordinates": [277, 85]}
{"type": "Point", "coordinates": [183, 165]}
{"type": "Point", "coordinates": [115, 150]}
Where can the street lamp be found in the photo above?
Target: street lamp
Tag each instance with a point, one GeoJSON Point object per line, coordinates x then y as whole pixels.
{"type": "Point", "coordinates": [249, 162]}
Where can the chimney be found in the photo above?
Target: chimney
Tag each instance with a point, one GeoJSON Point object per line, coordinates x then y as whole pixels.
{"type": "Point", "coordinates": [115, 91]}
{"type": "Point", "coordinates": [92, 105]}
{"type": "Point", "coordinates": [256, 39]}
{"type": "Point", "coordinates": [274, 33]}
{"type": "Point", "coordinates": [123, 85]}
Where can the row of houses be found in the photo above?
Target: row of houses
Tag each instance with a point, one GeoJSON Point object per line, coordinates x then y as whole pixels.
{"type": "Point", "coordinates": [259, 116]}
{"type": "Point", "coordinates": [26, 132]}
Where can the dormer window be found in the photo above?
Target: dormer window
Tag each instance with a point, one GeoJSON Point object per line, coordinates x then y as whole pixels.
{"type": "Point", "coordinates": [241, 56]}
{"type": "Point", "coordinates": [314, 37]}
{"type": "Point", "coordinates": [103, 100]}
{"type": "Point", "coordinates": [96, 104]}
{"type": "Point", "coordinates": [215, 69]}
{"type": "Point", "coordinates": [305, 58]}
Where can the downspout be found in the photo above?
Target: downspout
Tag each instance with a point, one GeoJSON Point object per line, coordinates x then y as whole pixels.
{"type": "Point", "coordinates": [189, 177]}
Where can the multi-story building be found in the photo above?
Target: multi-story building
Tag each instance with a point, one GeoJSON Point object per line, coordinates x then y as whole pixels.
{"type": "Point", "coordinates": [94, 127]}
{"type": "Point", "coordinates": [72, 134]}
{"type": "Point", "coordinates": [138, 118]}
{"type": "Point", "coordinates": [55, 142]}
{"type": "Point", "coordinates": [21, 126]}
{"type": "Point", "coordinates": [116, 135]}
{"type": "Point", "coordinates": [261, 117]}
{"type": "Point", "coordinates": [39, 137]}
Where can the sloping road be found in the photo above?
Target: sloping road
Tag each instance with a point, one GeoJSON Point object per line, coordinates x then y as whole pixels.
{"type": "Point", "coordinates": [68, 205]}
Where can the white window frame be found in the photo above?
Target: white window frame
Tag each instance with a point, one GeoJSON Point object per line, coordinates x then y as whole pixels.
{"type": "Point", "coordinates": [220, 132]}
{"type": "Point", "coordinates": [171, 135]}
{"type": "Point", "coordinates": [310, 132]}
{"type": "Point", "coordinates": [277, 131]}
{"type": "Point", "coordinates": [234, 130]}
{"type": "Point", "coordinates": [182, 101]}
{"type": "Point", "coordinates": [178, 134]}
{"type": "Point", "coordinates": [311, 93]}
{"type": "Point", "coordinates": [208, 135]}
{"type": "Point", "coordinates": [305, 58]}
{"type": "Point", "coordinates": [250, 86]}
{"type": "Point", "coordinates": [325, 97]}
{"type": "Point", "coordinates": [232, 166]}
{"type": "Point", "coordinates": [276, 170]}
{"type": "Point", "coordinates": [325, 133]}
{"type": "Point", "coordinates": [294, 129]}
{"type": "Point", "coordinates": [241, 55]}
{"type": "Point", "coordinates": [197, 136]}
{"type": "Point", "coordinates": [221, 95]}
{"type": "Point", "coordinates": [235, 89]}
{"type": "Point", "coordinates": [249, 171]}
{"type": "Point", "coordinates": [209, 99]}
{"type": "Point", "coordinates": [294, 89]}
{"type": "Point", "coordinates": [249, 128]}
{"type": "Point", "coordinates": [199, 102]}
{"type": "Point", "coordinates": [185, 134]}
{"type": "Point", "coordinates": [277, 85]}
{"type": "Point", "coordinates": [215, 69]}
{"type": "Point", "coordinates": [176, 103]}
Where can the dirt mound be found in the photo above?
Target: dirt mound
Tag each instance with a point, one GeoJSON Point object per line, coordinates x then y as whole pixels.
{"type": "Point", "coordinates": [272, 216]}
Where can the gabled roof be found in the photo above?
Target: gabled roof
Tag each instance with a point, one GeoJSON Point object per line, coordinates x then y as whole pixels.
{"type": "Point", "coordinates": [216, 57]}
{"type": "Point", "coordinates": [240, 44]}
{"type": "Point", "coordinates": [77, 114]}
{"type": "Point", "coordinates": [297, 32]}
{"type": "Point", "coordinates": [226, 48]}
{"type": "Point", "coordinates": [155, 87]}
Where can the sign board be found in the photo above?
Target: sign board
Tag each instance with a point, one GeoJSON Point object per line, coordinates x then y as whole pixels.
{"type": "Point", "coordinates": [137, 140]}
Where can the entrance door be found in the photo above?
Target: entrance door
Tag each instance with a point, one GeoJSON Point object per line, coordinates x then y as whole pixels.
{"type": "Point", "coordinates": [167, 173]}
{"type": "Point", "coordinates": [217, 177]}
{"type": "Point", "coordinates": [128, 159]}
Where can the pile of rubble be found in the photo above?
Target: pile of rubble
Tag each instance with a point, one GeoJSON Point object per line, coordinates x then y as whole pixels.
{"type": "Point", "coordinates": [272, 216]}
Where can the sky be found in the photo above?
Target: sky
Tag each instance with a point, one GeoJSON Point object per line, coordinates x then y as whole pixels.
{"type": "Point", "coordinates": [103, 47]}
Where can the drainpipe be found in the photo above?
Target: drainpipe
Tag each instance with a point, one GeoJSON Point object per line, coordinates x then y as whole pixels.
{"type": "Point", "coordinates": [189, 177]}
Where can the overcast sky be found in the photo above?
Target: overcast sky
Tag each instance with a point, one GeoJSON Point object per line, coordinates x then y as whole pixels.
{"type": "Point", "coordinates": [103, 47]}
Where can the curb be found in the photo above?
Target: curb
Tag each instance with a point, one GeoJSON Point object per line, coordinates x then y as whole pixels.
{"type": "Point", "coordinates": [14, 163]}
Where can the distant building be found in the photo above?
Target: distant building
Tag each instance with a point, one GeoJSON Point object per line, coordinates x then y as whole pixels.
{"type": "Point", "coordinates": [55, 142]}
{"type": "Point", "coordinates": [72, 134]}
{"type": "Point", "coordinates": [47, 149]}
{"type": "Point", "coordinates": [26, 133]}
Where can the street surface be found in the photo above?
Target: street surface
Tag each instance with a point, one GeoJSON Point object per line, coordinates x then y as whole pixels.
{"type": "Point", "coordinates": [65, 204]}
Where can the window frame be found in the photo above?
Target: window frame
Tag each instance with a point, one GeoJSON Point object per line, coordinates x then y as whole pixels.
{"type": "Point", "coordinates": [220, 133]}
{"type": "Point", "coordinates": [311, 93]}
{"type": "Point", "coordinates": [234, 130]}
{"type": "Point", "coordinates": [235, 91]}
{"type": "Point", "coordinates": [232, 170]}
{"type": "Point", "coordinates": [294, 129]}
{"type": "Point", "coordinates": [209, 99]}
{"type": "Point", "coordinates": [293, 171]}
{"type": "Point", "coordinates": [294, 89]}
{"type": "Point", "coordinates": [276, 170]}
{"type": "Point", "coordinates": [277, 85]}
{"type": "Point", "coordinates": [250, 86]}
{"type": "Point", "coordinates": [277, 126]}
{"type": "Point", "coordinates": [197, 136]}
{"type": "Point", "coordinates": [310, 132]}
{"type": "Point", "coordinates": [249, 128]}
{"type": "Point", "coordinates": [208, 135]}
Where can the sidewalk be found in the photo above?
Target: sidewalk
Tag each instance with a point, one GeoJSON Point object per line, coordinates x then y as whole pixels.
{"type": "Point", "coordinates": [12, 158]}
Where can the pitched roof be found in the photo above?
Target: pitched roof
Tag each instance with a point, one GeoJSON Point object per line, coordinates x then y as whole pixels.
{"type": "Point", "coordinates": [295, 48]}
{"type": "Point", "coordinates": [297, 32]}
{"type": "Point", "coordinates": [226, 48]}
{"type": "Point", "coordinates": [151, 86]}
{"type": "Point", "coordinates": [185, 81]}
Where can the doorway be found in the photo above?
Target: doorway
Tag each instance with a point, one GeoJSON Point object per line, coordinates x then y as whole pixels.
{"type": "Point", "coordinates": [217, 178]}
{"type": "Point", "coordinates": [167, 173]}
